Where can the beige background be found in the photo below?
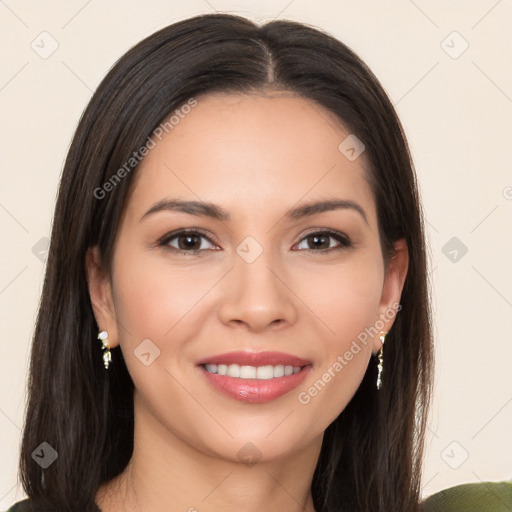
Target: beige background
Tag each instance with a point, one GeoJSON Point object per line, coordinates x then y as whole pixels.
{"type": "Point", "coordinates": [457, 112]}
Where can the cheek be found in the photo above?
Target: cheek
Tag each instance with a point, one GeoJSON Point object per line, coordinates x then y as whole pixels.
{"type": "Point", "coordinates": [154, 296]}
{"type": "Point", "coordinates": [158, 301]}
{"type": "Point", "coordinates": [346, 300]}
{"type": "Point", "coordinates": [344, 297]}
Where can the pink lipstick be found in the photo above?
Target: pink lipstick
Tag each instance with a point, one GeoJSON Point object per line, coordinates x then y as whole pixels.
{"type": "Point", "coordinates": [254, 377]}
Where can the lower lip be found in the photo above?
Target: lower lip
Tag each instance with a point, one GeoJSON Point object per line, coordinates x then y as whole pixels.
{"type": "Point", "coordinates": [255, 391]}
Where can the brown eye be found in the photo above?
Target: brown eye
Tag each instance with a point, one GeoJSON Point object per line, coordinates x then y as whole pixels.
{"type": "Point", "coordinates": [186, 242]}
{"type": "Point", "coordinates": [321, 241]}
{"type": "Point", "coordinates": [190, 241]}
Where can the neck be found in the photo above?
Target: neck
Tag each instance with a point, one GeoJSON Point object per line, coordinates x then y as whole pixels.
{"type": "Point", "coordinates": [168, 474]}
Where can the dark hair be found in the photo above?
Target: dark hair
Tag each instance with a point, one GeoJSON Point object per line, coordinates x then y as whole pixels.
{"type": "Point", "coordinates": [371, 454]}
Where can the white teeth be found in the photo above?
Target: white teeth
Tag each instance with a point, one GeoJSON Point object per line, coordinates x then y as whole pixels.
{"type": "Point", "coordinates": [279, 371]}
{"type": "Point", "coordinates": [248, 372]}
{"type": "Point", "coordinates": [252, 372]}
{"type": "Point", "coordinates": [233, 370]}
{"type": "Point", "coordinates": [265, 372]}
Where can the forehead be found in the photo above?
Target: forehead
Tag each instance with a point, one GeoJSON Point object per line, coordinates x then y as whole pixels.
{"type": "Point", "coordinates": [254, 151]}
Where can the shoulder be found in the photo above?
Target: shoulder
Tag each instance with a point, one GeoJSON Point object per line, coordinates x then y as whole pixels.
{"type": "Point", "coordinates": [21, 506]}
{"type": "Point", "coordinates": [476, 497]}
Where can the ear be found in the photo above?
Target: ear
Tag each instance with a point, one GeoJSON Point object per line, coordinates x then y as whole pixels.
{"type": "Point", "coordinates": [394, 280]}
{"type": "Point", "coordinates": [100, 292]}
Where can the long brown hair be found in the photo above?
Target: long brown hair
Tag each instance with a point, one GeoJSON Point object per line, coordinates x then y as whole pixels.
{"type": "Point", "coordinates": [371, 454]}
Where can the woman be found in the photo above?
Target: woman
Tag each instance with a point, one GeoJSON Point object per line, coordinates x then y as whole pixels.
{"type": "Point", "coordinates": [235, 312]}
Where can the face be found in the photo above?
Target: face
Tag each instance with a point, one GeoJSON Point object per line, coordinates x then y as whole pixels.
{"type": "Point", "coordinates": [190, 284]}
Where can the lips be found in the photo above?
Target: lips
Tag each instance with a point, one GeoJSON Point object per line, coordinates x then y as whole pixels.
{"type": "Point", "coordinates": [246, 358]}
{"type": "Point", "coordinates": [255, 390]}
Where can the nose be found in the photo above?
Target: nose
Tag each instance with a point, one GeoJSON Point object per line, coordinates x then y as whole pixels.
{"type": "Point", "coordinates": [257, 296]}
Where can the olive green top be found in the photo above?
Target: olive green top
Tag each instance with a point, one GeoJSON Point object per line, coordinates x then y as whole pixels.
{"type": "Point", "coordinates": [479, 497]}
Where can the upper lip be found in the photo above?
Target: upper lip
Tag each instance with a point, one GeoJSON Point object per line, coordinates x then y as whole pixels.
{"type": "Point", "coordinates": [248, 358]}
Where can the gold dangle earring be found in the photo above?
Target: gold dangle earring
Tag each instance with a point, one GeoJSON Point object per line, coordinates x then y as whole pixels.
{"type": "Point", "coordinates": [381, 361]}
{"type": "Point", "coordinates": [107, 356]}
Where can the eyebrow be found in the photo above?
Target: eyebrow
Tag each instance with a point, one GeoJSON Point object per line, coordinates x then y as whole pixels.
{"type": "Point", "coordinates": [201, 208]}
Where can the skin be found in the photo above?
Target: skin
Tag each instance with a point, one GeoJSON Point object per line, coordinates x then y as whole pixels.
{"type": "Point", "coordinates": [256, 156]}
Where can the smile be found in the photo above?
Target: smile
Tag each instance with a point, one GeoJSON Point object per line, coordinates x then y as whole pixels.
{"type": "Point", "coordinates": [253, 372]}
{"type": "Point", "coordinates": [254, 377]}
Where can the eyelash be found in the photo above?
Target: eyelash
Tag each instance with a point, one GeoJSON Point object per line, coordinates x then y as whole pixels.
{"type": "Point", "coordinates": [343, 240]}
